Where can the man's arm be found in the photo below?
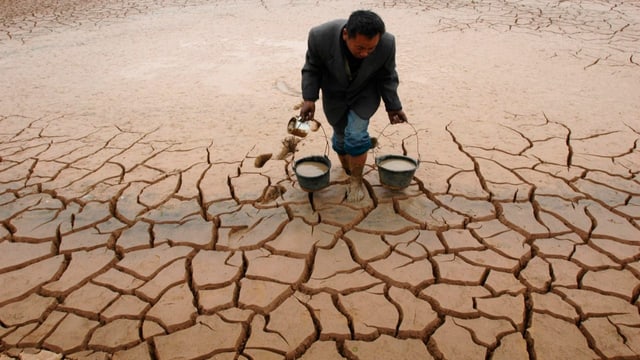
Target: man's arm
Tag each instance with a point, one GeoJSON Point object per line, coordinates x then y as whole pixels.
{"type": "Point", "coordinates": [311, 76]}
{"type": "Point", "coordinates": [388, 79]}
{"type": "Point", "coordinates": [388, 85]}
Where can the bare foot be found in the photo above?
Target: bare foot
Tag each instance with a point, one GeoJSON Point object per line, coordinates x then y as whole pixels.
{"type": "Point", "coordinates": [355, 190]}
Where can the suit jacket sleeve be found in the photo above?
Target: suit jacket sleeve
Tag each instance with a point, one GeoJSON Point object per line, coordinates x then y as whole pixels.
{"type": "Point", "coordinates": [311, 71]}
{"type": "Point", "coordinates": [388, 80]}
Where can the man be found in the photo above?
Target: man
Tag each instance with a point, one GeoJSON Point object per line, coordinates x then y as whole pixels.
{"type": "Point", "coordinates": [353, 62]}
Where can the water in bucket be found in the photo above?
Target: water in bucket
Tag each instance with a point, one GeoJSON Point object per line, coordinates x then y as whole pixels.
{"type": "Point", "coordinates": [312, 172]}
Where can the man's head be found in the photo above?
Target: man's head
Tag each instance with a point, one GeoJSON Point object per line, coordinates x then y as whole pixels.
{"type": "Point", "coordinates": [362, 32]}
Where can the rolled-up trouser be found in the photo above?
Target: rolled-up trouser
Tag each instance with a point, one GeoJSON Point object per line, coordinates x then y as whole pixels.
{"type": "Point", "coordinates": [352, 139]}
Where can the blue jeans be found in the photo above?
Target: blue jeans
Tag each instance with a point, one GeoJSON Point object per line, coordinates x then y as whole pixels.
{"type": "Point", "coordinates": [353, 139]}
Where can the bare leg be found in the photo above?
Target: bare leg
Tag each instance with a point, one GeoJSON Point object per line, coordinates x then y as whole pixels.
{"type": "Point", "coordinates": [344, 161]}
{"type": "Point", "coordinates": [356, 189]}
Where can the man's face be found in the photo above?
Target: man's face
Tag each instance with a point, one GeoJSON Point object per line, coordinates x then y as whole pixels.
{"type": "Point", "coordinates": [360, 45]}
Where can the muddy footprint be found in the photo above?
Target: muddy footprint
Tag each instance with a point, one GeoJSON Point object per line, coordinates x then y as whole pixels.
{"type": "Point", "coordinates": [289, 145]}
{"type": "Point", "coordinates": [261, 160]}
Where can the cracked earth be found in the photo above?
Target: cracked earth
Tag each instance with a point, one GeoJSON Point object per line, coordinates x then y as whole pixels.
{"type": "Point", "coordinates": [143, 215]}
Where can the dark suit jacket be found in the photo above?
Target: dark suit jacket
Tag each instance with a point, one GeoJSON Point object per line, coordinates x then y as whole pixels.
{"type": "Point", "coordinates": [324, 69]}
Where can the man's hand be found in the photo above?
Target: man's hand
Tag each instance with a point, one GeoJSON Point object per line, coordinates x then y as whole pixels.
{"type": "Point", "coordinates": [397, 117]}
{"type": "Point", "coordinates": [307, 110]}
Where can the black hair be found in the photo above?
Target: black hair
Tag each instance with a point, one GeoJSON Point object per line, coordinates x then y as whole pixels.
{"type": "Point", "coordinates": [366, 23]}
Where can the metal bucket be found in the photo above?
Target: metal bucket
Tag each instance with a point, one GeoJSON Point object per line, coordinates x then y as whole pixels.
{"type": "Point", "coordinates": [312, 172]}
{"type": "Point", "coordinates": [396, 171]}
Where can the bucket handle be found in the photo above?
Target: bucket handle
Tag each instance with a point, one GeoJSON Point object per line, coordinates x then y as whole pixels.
{"type": "Point", "coordinates": [415, 133]}
{"type": "Point", "coordinates": [326, 140]}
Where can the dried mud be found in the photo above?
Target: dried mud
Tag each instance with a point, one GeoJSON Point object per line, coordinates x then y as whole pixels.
{"type": "Point", "coordinates": [143, 214]}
